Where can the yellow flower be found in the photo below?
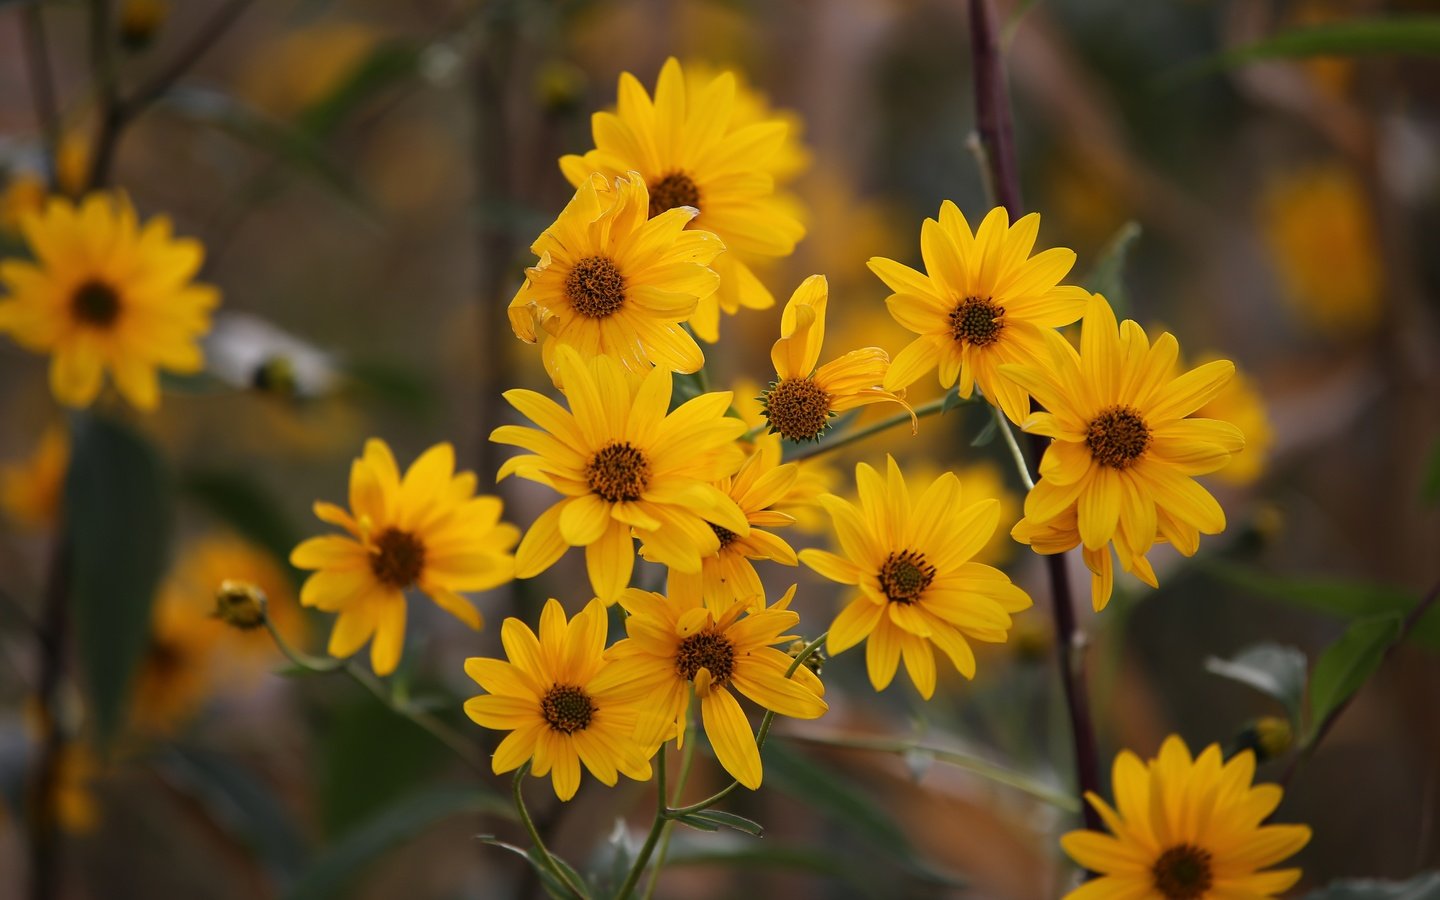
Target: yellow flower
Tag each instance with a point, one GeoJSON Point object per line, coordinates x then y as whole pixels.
{"type": "Point", "coordinates": [911, 560]}
{"type": "Point", "coordinates": [751, 106]}
{"type": "Point", "coordinates": [799, 404]}
{"type": "Point", "coordinates": [729, 575]}
{"type": "Point", "coordinates": [30, 492]}
{"type": "Point", "coordinates": [1321, 233]}
{"type": "Point", "coordinates": [561, 701]}
{"type": "Point", "coordinates": [985, 302]}
{"type": "Point", "coordinates": [140, 20]}
{"type": "Point", "coordinates": [1243, 405]}
{"type": "Point", "coordinates": [306, 66]}
{"type": "Point", "coordinates": [24, 195]}
{"type": "Point", "coordinates": [427, 531]}
{"type": "Point", "coordinates": [72, 161]}
{"type": "Point", "coordinates": [816, 475]}
{"type": "Point", "coordinates": [194, 656]}
{"type": "Point", "coordinates": [1124, 446]}
{"type": "Point", "coordinates": [622, 462]}
{"type": "Point", "coordinates": [72, 800]}
{"type": "Point", "coordinates": [613, 282]}
{"type": "Point", "coordinates": [106, 293]}
{"type": "Point", "coordinates": [1186, 829]}
{"type": "Point", "coordinates": [681, 642]}
{"type": "Point", "coordinates": [691, 150]}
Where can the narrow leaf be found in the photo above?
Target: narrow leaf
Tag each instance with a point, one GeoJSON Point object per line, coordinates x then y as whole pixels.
{"type": "Point", "coordinates": [1425, 886]}
{"type": "Point", "coordinates": [717, 818]}
{"type": "Point", "coordinates": [1274, 670]}
{"type": "Point", "coordinates": [1107, 277]}
{"type": "Point", "coordinates": [1346, 665]}
{"type": "Point", "coordinates": [1383, 36]}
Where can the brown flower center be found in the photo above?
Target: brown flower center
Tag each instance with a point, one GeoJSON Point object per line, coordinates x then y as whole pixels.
{"type": "Point", "coordinates": [710, 650]}
{"type": "Point", "coordinates": [618, 472]}
{"type": "Point", "coordinates": [397, 559]}
{"type": "Point", "coordinates": [675, 189]}
{"type": "Point", "coordinates": [905, 576]}
{"type": "Point", "coordinates": [1117, 437]}
{"type": "Point", "coordinates": [797, 408]}
{"type": "Point", "coordinates": [977, 321]}
{"type": "Point", "coordinates": [1183, 873]}
{"type": "Point", "coordinates": [595, 288]}
{"type": "Point", "coordinates": [96, 304]}
{"type": "Point", "coordinates": [567, 709]}
{"type": "Point", "coordinates": [726, 536]}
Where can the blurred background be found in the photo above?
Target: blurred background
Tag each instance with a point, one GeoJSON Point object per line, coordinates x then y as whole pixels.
{"type": "Point", "coordinates": [367, 177]}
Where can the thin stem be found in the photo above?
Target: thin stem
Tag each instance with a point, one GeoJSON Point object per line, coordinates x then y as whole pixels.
{"type": "Point", "coordinates": [1411, 620]}
{"type": "Point", "coordinates": [632, 879]}
{"type": "Point", "coordinates": [993, 120]}
{"type": "Point", "coordinates": [687, 758]}
{"type": "Point", "coordinates": [529, 823]}
{"type": "Point", "coordinates": [934, 407]}
{"type": "Point", "coordinates": [422, 718]}
{"type": "Point", "coordinates": [1003, 424]}
{"type": "Point", "coordinates": [42, 85]}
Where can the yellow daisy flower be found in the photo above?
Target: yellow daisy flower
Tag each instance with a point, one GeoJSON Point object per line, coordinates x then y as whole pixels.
{"type": "Point", "coordinates": [693, 151]}
{"type": "Point", "coordinates": [561, 700]}
{"type": "Point", "coordinates": [623, 462]}
{"type": "Point", "coordinates": [911, 560]}
{"type": "Point", "coordinates": [1125, 446]}
{"type": "Point", "coordinates": [802, 399]}
{"type": "Point", "coordinates": [427, 531]}
{"type": "Point", "coordinates": [985, 302]}
{"type": "Point", "coordinates": [1186, 829]}
{"type": "Point", "coordinates": [816, 475]}
{"type": "Point", "coordinates": [1242, 404]}
{"type": "Point", "coordinates": [30, 492]}
{"type": "Point", "coordinates": [613, 282]}
{"type": "Point", "coordinates": [681, 642]}
{"type": "Point", "coordinates": [107, 293]}
{"type": "Point", "coordinates": [761, 483]}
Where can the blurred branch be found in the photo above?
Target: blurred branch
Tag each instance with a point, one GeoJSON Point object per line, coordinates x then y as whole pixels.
{"type": "Point", "coordinates": [1323, 729]}
{"type": "Point", "coordinates": [42, 84]}
{"type": "Point", "coordinates": [993, 120]}
{"type": "Point", "coordinates": [117, 112]}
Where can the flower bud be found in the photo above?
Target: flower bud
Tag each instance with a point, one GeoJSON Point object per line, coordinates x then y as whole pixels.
{"type": "Point", "coordinates": [1270, 737]}
{"type": "Point", "coordinates": [140, 21]}
{"type": "Point", "coordinates": [241, 604]}
{"type": "Point", "coordinates": [814, 662]}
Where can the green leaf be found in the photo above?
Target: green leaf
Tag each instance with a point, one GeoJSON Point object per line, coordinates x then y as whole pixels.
{"type": "Point", "coordinates": [685, 387]}
{"type": "Point", "coordinates": [554, 887]}
{"type": "Point", "coordinates": [1430, 491]}
{"type": "Point", "coordinates": [1107, 277]}
{"type": "Point", "coordinates": [715, 819]}
{"type": "Point", "coordinates": [952, 400]}
{"type": "Point", "coordinates": [1425, 886]}
{"type": "Point", "coordinates": [393, 385]}
{"type": "Point", "coordinates": [1346, 664]}
{"type": "Point", "coordinates": [118, 512]}
{"type": "Point", "coordinates": [1274, 670]}
{"type": "Point", "coordinates": [239, 500]}
{"type": "Point", "coordinates": [334, 870]}
{"type": "Point", "coordinates": [1385, 36]}
{"type": "Point", "coordinates": [987, 434]}
{"type": "Point", "coordinates": [1345, 599]}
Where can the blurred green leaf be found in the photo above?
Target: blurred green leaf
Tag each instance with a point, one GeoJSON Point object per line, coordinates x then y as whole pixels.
{"type": "Point", "coordinates": [335, 869]}
{"type": "Point", "coordinates": [1346, 665]}
{"type": "Point", "coordinates": [1274, 670]}
{"type": "Point", "coordinates": [715, 819]}
{"type": "Point", "coordinates": [242, 502]}
{"type": "Point", "coordinates": [1430, 491]}
{"type": "Point", "coordinates": [1346, 599]}
{"type": "Point", "coordinates": [1107, 276]}
{"type": "Point", "coordinates": [1385, 36]}
{"type": "Point", "coordinates": [685, 387]}
{"type": "Point", "coordinates": [242, 804]}
{"type": "Point", "coordinates": [987, 434]}
{"type": "Point", "coordinates": [553, 886]}
{"type": "Point", "coordinates": [952, 400]}
{"type": "Point", "coordinates": [1425, 886]}
{"type": "Point", "coordinates": [118, 511]}
{"type": "Point", "coordinates": [387, 65]}
{"type": "Point", "coordinates": [393, 385]}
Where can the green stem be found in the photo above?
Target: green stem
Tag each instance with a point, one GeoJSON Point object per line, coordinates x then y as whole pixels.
{"type": "Point", "coordinates": [934, 407]}
{"type": "Point", "coordinates": [529, 823]}
{"type": "Point", "coordinates": [1016, 454]}
{"type": "Point", "coordinates": [425, 720]}
{"type": "Point", "coordinates": [656, 826]}
{"type": "Point", "coordinates": [687, 758]}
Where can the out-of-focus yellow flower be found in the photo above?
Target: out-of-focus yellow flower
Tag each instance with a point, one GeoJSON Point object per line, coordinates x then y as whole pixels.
{"type": "Point", "coordinates": [1332, 75]}
{"type": "Point", "coordinates": [751, 106]}
{"type": "Point", "coordinates": [72, 800]}
{"type": "Point", "coordinates": [803, 399]}
{"type": "Point", "coordinates": [561, 700]}
{"type": "Point", "coordinates": [30, 492]}
{"type": "Point", "coordinates": [691, 152]}
{"type": "Point", "coordinates": [24, 194]}
{"type": "Point", "coordinates": [614, 280]}
{"type": "Point", "coordinates": [911, 558]}
{"type": "Point", "coordinates": [985, 302]}
{"type": "Point", "coordinates": [72, 162]}
{"type": "Point", "coordinates": [140, 20]}
{"type": "Point", "coordinates": [730, 575]}
{"type": "Point", "coordinates": [107, 293]}
{"type": "Point", "coordinates": [1125, 447]}
{"type": "Point", "coordinates": [194, 656]}
{"type": "Point", "coordinates": [306, 66]}
{"type": "Point", "coordinates": [623, 462]}
{"type": "Point", "coordinates": [681, 644]}
{"type": "Point", "coordinates": [427, 530]}
{"type": "Point", "coordinates": [1186, 829]}
{"type": "Point", "coordinates": [1241, 404]}
{"type": "Point", "coordinates": [1321, 233]}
